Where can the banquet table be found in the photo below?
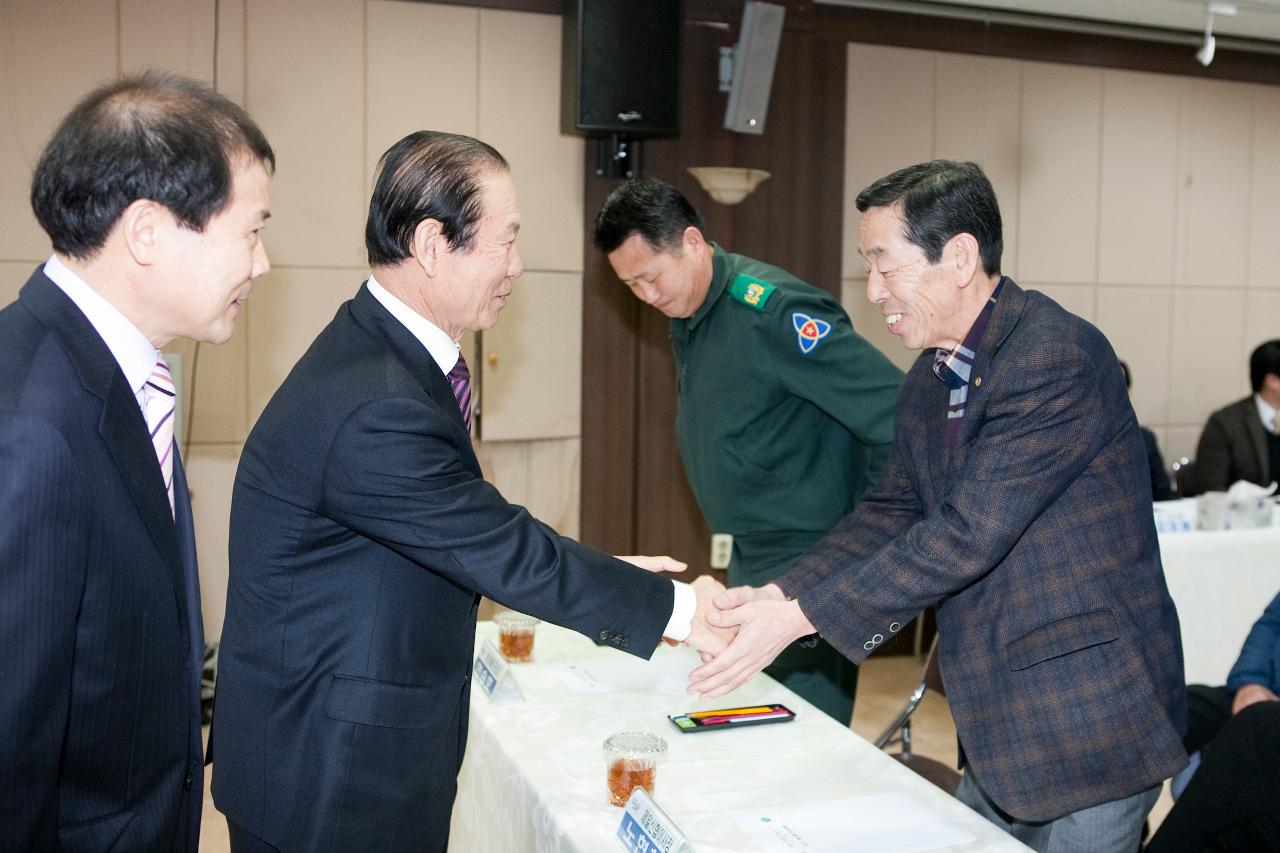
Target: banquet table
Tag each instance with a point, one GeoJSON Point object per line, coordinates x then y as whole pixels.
{"type": "Point", "coordinates": [534, 774]}
{"type": "Point", "coordinates": [1220, 582]}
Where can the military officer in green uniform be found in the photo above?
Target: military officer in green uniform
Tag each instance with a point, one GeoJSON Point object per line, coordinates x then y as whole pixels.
{"type": "Point", "coordinates": [785, 413]}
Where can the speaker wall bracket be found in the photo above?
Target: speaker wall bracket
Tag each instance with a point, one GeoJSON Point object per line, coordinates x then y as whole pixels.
{"type": "Point", "coordinates": [618, 156]}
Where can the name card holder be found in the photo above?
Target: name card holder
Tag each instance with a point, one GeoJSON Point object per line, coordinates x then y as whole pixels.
{"type": "Point", "coordinates": [494, 675]}
{"type": "Point", "coordinates": [645, 828]}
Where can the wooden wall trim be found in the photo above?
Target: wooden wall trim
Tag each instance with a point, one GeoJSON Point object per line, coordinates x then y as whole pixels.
{"type": "Point", "coordinates": [959, 35]}
{"type": "Point", "coordinates": [550, 7]}
{"type": "Point", "coordinates": [1040, 44]}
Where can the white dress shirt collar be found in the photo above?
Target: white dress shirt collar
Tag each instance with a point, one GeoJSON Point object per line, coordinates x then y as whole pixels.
{"type": "Point", "coordinates": [130, 348]}
{"type": "Point", "coordinates": [1265, 412]}
{"type": "Point", "coordinates": [444, 349]}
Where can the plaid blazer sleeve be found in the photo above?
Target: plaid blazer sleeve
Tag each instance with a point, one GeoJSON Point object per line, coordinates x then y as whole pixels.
{"type": "Point", "coordinates": [1035, 438]}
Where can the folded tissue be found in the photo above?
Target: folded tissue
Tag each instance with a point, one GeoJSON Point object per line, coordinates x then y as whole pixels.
{"type": "Point", "coordinates": [1244, 505]}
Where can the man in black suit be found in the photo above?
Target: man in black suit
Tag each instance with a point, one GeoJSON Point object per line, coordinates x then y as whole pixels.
{"type": "Point", "coordinates": [152, 191]}
{"type": "Point", "coordinates": [363, 534]}
{"type": "Point", "coordinates": [1242, 441]}
{"type": "Point", "coordinates": [1161, 490]}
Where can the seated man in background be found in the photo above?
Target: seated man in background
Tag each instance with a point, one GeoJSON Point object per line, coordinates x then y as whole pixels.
{"type": "Point", "coordinates": [1233, 803]}
{"type": "Point", "coordinates": [1242, 441]}
{"type": "Point", "coordinates": [1254, 678]}
{"type": "Point", "coordinates": [1160, 489]}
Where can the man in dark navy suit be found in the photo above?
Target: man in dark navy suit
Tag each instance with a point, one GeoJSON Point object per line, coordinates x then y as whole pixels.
{"type": "Point", "coordinates": [153, 191]}
{"type": "Point", "coordinates": [1016, 502]}
{"type": "Point", "coordinates": [363, 534]}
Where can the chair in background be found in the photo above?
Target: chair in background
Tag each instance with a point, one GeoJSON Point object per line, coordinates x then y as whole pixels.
{"type": "Point", "coordinates": [899, 731]}
{"type": "Point", "coordinates": [1184, 471]}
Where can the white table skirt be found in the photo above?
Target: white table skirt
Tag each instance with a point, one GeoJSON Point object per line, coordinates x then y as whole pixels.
{"type": "Point", "coordinates": [533, 778]}
{"type": "Point", "coordinates": [1220, 581]}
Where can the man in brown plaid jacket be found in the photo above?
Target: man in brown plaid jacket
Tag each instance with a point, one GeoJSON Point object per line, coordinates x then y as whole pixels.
{"type": "Point", "coordinates": [1017, 502]}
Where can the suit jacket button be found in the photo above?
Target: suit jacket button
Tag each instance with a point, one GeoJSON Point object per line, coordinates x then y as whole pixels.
{"type": "Point", "coordinates": [604, 636]}
{"type": "Point", "coordinates": [893, 628]}
{"type": "Point", "coordinates": [868, 645]}
{"type": "Point", "coordinates": [186, 783]}
{"type": "Point", "coordinates": [878, 639]}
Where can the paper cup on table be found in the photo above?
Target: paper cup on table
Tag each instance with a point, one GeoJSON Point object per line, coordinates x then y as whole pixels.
{"type": "Point", "coordinates": [631, 759]}
{"type": "Point", "coordinates": [515, 635]}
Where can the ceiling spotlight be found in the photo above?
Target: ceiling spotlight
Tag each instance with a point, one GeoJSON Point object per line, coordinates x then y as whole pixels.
{"type": "Point", "coordinates": [1205, 54]}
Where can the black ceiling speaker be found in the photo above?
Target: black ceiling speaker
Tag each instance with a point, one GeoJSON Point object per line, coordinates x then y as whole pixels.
{"type": "Point", "coordinates": [621, 67]}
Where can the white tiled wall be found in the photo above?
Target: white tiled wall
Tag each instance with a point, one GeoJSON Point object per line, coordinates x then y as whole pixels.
{"type": "Point", "coordinates": [332, 84]}
{"type": "Point", "coordinates": [1148, 204]}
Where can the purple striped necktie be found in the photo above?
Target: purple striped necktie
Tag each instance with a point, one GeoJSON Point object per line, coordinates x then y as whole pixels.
{"type": "Point", "coordinates": [159, 399]}
{"type": "Point", "coordinates": [460, 381]}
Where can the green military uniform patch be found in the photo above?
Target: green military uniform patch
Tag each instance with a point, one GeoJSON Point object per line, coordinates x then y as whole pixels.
{"type": "Point", "coordinates": [751, 291]}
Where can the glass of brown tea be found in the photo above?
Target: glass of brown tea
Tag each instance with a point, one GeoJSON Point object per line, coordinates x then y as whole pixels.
{"type": "Point", "coordinates": [515, 635]}
{"type": "Point", "coordinates": [631, 759]}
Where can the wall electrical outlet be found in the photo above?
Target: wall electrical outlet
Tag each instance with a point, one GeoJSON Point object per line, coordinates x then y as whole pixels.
{"type": "Point", "coordinates": [721, 550]}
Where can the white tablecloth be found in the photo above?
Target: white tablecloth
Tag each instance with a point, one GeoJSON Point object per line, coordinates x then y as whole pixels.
{"type": "Point", "coordinates": [1220, 581]}
{"type": "Point", "coordinates": [533, 778]}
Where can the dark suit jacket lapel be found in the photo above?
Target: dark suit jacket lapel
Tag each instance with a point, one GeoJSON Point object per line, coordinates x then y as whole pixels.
{"type": "Point", "coordinates": [122, 426]}
{"type": "Point", "coordinates": [935, 400]}
{"type": "Point", "coordinates": [1007, 312]}
{"type": "Point", "coordinates": [406, 348]}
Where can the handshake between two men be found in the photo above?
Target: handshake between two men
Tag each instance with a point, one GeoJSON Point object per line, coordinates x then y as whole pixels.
{"type": "Point", "coordinates": [738, 631]}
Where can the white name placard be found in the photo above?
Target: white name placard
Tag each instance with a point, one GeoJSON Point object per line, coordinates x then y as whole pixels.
{"type": "Point", "coordinates": [645, 828]}
{"type": "Point", "coordinates": [494, 675]}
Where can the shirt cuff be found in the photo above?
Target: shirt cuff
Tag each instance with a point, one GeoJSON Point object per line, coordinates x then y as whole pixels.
{"type": "Point", "coordinates": [686, 604]}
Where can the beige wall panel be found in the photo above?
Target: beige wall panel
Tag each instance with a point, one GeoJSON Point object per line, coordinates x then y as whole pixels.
{"type": "Point", "coordinates": [231, 49]}
{"type": "Point", "coordinates": [1137, 321]}
{"type": "Point", "coordinates": [978, 118]}
{"type": "Point", "coordinates": [1076, 298]}
{"type": "Point", "coordinates": [520, 116]}
{"type": "Point", "coordinates": [422, 61]}
{"type": "Point", "coordinates": [305, 86]}
{"type": "Point", "coordinates": [220, 413]}
{"type": "Point", "coordinates": [1264, 218]}
{"type": "Point", "coordinates": [505, 464]}
{"type": "Point", "coordinates": [531, 362]}
{"type": "Point", "coordinates": [1215, 140]}
{"type": "Point", "coordinates": [1261, 319]}
{"type": "Point", "coordinates": [1162, 442]}
{"type": "Point", "coordinates": [290, 307]}
{"type": "Point", "coordinates": [36, 92]}
{"type": "Point", "coordinates": [868, 321]}
{"type": "Point", "coordinates": [173, 35]}
{"type": "Point", "coordinates": [554, 483]}
{"type": "Point", "coordinates": [13, 274]}
{"type": "Point", "coordinates": [1138, 215]}
{"type": "Point", "coordinates": [1061, 137]}
{"type": "Point", "coordinates": [211, 473]}
{"type": "Point", "coordinates": [1208, 357]}
{"type": "Point", "coordinates": [888, 124]}
{"type": "Point", "coordinates": [1180, 443]}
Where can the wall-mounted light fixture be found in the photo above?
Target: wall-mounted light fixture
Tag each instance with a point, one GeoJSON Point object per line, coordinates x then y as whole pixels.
{"type": "Point", "coordinates": [1205, 54]}
{"type": "Point", "coordinates": [728, 184]}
